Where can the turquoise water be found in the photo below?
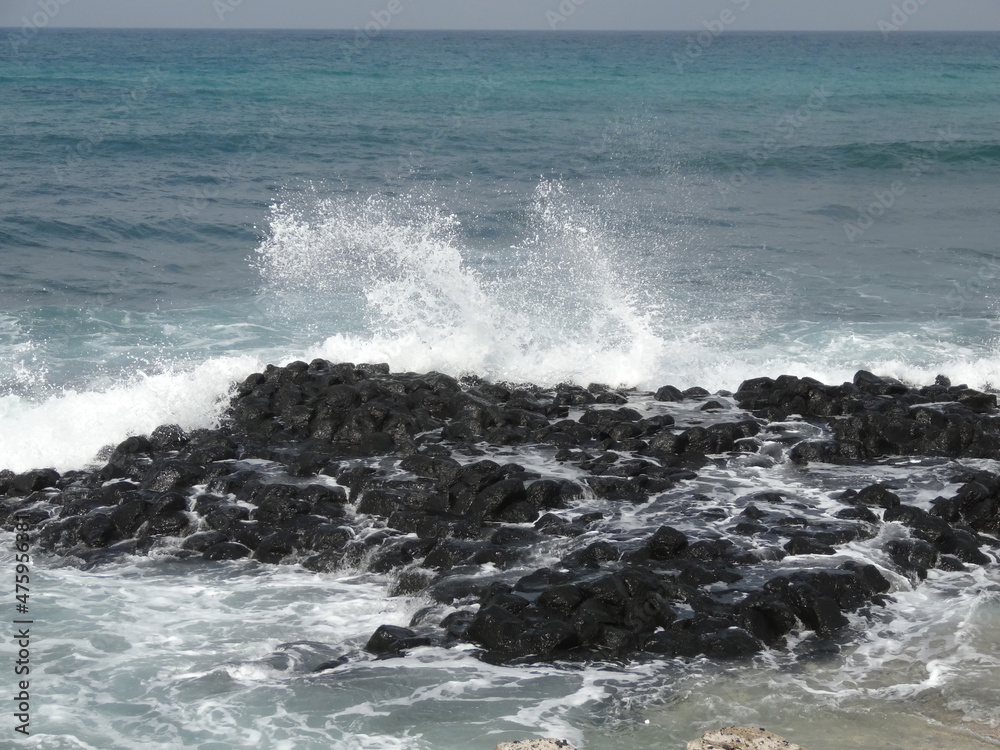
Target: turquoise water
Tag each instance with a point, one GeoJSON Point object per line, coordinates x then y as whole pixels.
{"type": "Point", "coordinates": [178, 209]}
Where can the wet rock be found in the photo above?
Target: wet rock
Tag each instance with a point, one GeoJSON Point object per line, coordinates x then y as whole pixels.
{"type": "Point", "coordinates": [913, 554]}
{"type": "Point", "coordinates": [808, 545]}
{"type": "Point", "coordinates": [167, 438]}
{"type": "Point", "coordinates": [498, 631]}
{"type": "Point", "coordinates": [97, 530]}
{"type": "Point", "coordinates": [818, 599]}
{"type": "Point", "coordinates": [876, 495]}
{"type": "Point", "coordinates": [594, 554]}
{"type": "Point", "coordinates": [434, 508]}
{"type": "Point", "coordinates": [203, 540]}
{"type": "Point", "coordinates": [130, 514]}
{"type": "Point", "coordinates": [666, 543]}
{"type": "Point", "coordinates": [827, 452]}
{"type": "Point", "coordinates": [731, 643]}
{"type": "Point", "coordinates": [226, 551]}
{"type": "Point", "coordinates": [165, 525]}
{"type": "Point", "coordinates": [172, 474]}
{"type": "Point", "coordinates": [391, 640]}
{"type": "Point", "coordinates": [977, 505]}
{"type": "Point", "coordinates": [859, 513]}
{"type": "Point", "coordinates": [31, 481]}
{"type": "Point", "coordinates": [503, 500]}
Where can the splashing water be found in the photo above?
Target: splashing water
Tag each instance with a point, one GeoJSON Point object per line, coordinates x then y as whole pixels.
{"type": "Point", "coordinates": [563, 307]}
{"type": "Point", "coordinates": [570, 296]}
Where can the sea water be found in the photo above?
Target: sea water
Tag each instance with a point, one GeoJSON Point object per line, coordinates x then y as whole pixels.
{"type": "Point", "coordinates": [180, 209]}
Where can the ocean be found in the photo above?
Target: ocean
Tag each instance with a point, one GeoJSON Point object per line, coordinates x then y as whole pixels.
{"type": "Point", "coordinates": [179, 209]}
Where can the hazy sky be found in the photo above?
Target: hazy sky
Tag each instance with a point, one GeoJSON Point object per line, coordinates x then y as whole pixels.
{"type": "Point", "coordinates": [917, 15]}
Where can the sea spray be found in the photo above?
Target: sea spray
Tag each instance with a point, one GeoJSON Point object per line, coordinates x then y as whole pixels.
{"type": "Point", "coordinates": [565, 306]}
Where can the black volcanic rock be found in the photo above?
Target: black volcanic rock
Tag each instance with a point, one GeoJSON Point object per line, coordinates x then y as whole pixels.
{"type": "Point", "coordinates": [412, 477]}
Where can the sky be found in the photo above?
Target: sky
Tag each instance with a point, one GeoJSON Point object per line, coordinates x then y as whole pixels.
{"type": "Point", "coordinates": [906, 15]}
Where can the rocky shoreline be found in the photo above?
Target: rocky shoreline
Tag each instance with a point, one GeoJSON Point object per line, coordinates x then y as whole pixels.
{"type": "Point", "coordinates": [416, 476]}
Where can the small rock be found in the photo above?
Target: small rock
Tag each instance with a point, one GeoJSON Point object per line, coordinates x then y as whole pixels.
{"type": "Point", "coordinates": [741, 738]}
{"type": "Point", "coordinates": [536, 745]}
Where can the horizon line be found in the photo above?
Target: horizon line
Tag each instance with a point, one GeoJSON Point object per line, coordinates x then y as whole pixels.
{"type": "Point", "coordinates": [499, 31]}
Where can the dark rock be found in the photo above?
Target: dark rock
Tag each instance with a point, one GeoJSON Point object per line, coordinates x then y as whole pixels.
{"type": "Point", "coordinates": [749, 528]}
{"type": "Point", "coordinates": [130, 515]}
{"type": "Point", "coordinates": [515, 535]}
{"type": "Point", "coordinates": [859, 513]}
{"type": "Point", "coordinates": [731, 643]}
{"type": "Point", "coordinates": [203, 540]}
{"type": "Point", "coordinates": [497, 501]}
{"type": "Point", "coordinates": [546, 494]}
{"type": "Point", "coordinates": [669, 393]}
{"type": "Point", "coordinates": [609, 589]}
{"type": "Point", "coordinates": [594, 554]}
{"type": "Point", "coordinates": [326, 536]}
{"type": "Point", "coordinates": [877, 495]}
{"type": "Point", "coordinates": [222, 516]}
{"type": "Point", "coordinates": [447, 529]}
{"type": "Point", "coordinates": [226, 551]}
{"type": "Point", "coordinates": [97, 530]}
{"type": "Point", "coordinates": [913, 554]}
{"type": "Point", "coordinates": [32, 481]}
{"type": "Point", "coordinates": [498, 631]}
{"type": "Point", "coordinates": [411, 582]}
{"type": "Point", "coordinates": [766, 617]}
{"type": "Point", "coordinates": [390, 640]}
{"type": "Point", "coordinates": [827, 452]}
{"type": "Point", "coordinates": [977, 401]}
{"type": "Point", "coordinates": [167, 524]}
{"type": "Point", "coordinates": [169, 437]}
{"type": "Point", "coordinates": [807, 545]}
{"type": "Point", "coordinates": [448, 553]}
{"type": "Point", "coordinates": [666, 543]}
{"type": "Point", "coordinates": [818, 598]}
{"type": "Point", "coordinates": [276, 547]}
{"type": "Point", "coordinates": [696, 392]}
{"type": "Point", "coordinates": [172, 474]}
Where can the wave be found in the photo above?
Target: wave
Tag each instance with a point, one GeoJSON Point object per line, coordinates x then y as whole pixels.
{"type": "Point", "coordinates": [564, 303]}
{"type": "Point", "coordinates": [565, 292]}
{"type": "Point", "coordinates": [572, 297]}
{"type": "Point", "coordinates": [889, 156]}
{"type": "Point", "coordinates": [67, 430]}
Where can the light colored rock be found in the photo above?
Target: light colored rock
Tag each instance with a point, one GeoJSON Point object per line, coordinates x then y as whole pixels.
{"type": "Point", "coordinates": [741, 738]}
{"type": "Point", "coordinates": [536, 745]}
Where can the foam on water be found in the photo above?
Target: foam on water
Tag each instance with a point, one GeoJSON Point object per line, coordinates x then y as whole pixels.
{"type": "Point", "coordinates": [162, 653]}
{"type": "Point", "coordinates": [68, 429]}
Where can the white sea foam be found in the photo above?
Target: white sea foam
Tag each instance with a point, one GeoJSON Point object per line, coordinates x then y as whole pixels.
{"type": "Point", "coordinates": [68, 429]}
